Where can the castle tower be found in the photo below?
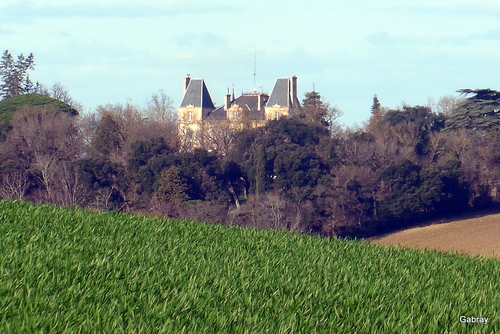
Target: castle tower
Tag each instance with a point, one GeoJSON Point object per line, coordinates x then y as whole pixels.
{"type": "Point", "coordinates": [196, 105]}
{"type": "Point", "coordinates": [283, 100]}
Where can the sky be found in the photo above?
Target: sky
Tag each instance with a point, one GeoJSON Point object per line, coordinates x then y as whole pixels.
{"type": "Point", "coordinates": [411, 51]}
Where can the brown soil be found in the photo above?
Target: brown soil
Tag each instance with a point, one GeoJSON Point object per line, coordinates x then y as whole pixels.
{"type": "Point", "coordinates": [475, 236]}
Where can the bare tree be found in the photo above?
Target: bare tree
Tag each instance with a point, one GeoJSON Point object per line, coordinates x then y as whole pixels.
{"type": "Point", "coordinates": [14, 184]}
{"type": "Point", "coordinates": [332, 115]}
{"type": "Point", "coordinates": [160, 109]}
{"type": "Point", "coordinates": [187, 139]}
{"type": "Point", "coordinates": [448, 104]}
{"type": "Point", "coordinates": [136, 124]}
{"type": "Point", "coordinates": [272, 212]}
{"type": "Point", "coordinates": [46, 165]}
{"type": "Point", "coordinates": [58, 92]}
{"type": "Point", "coordinates": [43, 141]}
{"type": "Point", "coordinates": [102, 200]}
{"type": "Point", "coordinates": [217, 136]}
{"type": "Point", "coordinates": [71, 190]}
{"type": "Point", "coordinates": [457, 143]}
{"type": "Point", "coordinates": [160, 119]}
{"type": "Point", "coordinates": [87, 124]}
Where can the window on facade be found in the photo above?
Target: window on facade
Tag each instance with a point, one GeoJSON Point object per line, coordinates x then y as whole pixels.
{"type": "Point", "coordinates": [276, 115]}
{"type": "Point", "coordinates": [190, 116]}
{"type": "Point", "coordinates": [235, 116]}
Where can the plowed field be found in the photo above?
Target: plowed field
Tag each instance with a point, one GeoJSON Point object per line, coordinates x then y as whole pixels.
{"type": "Point", "coordinates": [474, 236]}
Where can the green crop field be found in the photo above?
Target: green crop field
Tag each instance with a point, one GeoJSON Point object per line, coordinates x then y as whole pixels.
{"type": "Point", "coordinates": [76, 271]}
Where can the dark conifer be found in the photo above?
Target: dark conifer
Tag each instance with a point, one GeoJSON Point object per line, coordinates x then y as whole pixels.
{"type": "Point", "coordinates": [15, 80]}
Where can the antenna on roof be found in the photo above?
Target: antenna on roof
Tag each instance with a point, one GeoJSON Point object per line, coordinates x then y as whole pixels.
{"type": "Point", "coordinates": [254, 68]}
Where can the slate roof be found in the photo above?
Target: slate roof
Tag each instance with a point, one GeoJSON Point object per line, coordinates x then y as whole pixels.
{"type": "Point", "coordinates": [250, 101]}
{"type": "Point", "coordinates": [280, 95]}
{"type": "Point", "coordinates": [245, 102]}
{"type": "Point", "coordinates": [197, 95]}
{"type": "Point", "coordinates": [218, 114]}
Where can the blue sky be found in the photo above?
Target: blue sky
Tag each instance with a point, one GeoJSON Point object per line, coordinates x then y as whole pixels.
{"type": "Point", "coordinates": [124, 51]}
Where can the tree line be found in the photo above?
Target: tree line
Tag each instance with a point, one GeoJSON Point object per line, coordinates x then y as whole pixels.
{"type": "Point", "coordinates": [303, 173]}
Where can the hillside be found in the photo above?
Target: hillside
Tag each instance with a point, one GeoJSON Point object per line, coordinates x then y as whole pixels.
{"type": "Point", "coordinates": [9, 106]}
{"type": "Point", "coordinates": [71, 270]}
{"type": "Point", "coordinates": [473, 236]}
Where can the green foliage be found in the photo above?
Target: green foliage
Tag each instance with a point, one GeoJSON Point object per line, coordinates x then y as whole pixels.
{"type": "Point", "coordinates": [171, 186]}
{"type": "Point", "coordinates": [416, 192]}
{"type": "Point", "coordinates": [313, 109]}
{"type": "Point", "coordinates": [9, 106]}
{"type": "Point", "coordinates": [413, 126]}
{"type": "Point", "coordinates": [443, 189]}
{"type": "Point", "coordinates": [403, 181]}
{"type": "Point", "coordinates": [376, 106]}
{"type": "Point", "coordinates": [108, 137]}
{"type": "Point", "coordinates": [145, 150]}
{"type": "Point", "coordinates": [200, 170]}
{"type": "Point", "coordinates": [146, 161]}
{"type": "Point", "coordinates": [15, 80]}
{"type": "Point", "coordinates": [100, 173]}
{"type": "Point", "coordinates": [232, 179]}
{"type": "Point", "coordinates": [70, 270]}
{"type": "Point", "coordinates": [298, 170]}
{"type": "Point", "coordinates": [281, 155]}
{"type": "Point", "coordinates": [478, 112]}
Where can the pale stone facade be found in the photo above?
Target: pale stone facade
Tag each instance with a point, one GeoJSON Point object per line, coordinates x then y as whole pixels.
{"type": "Point", "coordinates": [199, 119]}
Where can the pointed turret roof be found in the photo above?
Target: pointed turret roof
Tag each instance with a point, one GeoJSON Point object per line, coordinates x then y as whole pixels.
{"type": "Point", "coordinates": [197, 95]}
{"type": "Point", "coordinates": [284, 94]}
{"type": "Point", "coordinates": [280, 95]}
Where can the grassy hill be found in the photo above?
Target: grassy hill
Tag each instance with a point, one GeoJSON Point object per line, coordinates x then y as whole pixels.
{"type": "Point", "coordinates": [9, 106]}
{"type": "Point", "coordinates": [71, 270]}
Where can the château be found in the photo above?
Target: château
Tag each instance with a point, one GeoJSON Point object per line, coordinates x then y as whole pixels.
{"type": "Point", "coordinates": [198, 116]}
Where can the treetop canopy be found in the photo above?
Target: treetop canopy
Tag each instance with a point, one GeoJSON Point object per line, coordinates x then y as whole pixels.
{"type": "Point", "coordinates": [9, 106]}
{"type": "Point", "coordinates": [478, 112]}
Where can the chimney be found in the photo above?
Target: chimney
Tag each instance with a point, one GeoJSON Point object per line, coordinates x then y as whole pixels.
{"type": "Point", "coordinates": [227, 100]}
{"type": "Point", "coordinates": [293, 90]}
{"type": "Point", "coordinates": [186, 83]}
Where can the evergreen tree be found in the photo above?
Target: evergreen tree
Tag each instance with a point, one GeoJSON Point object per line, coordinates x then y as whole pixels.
{"type": "Point", "coordinates": [376, 115]}
{"type": "Point", "coordinates": [15, 80]}
{"type": "Point", "coordinates": [108, 137]}
{"type": "Point", "coordinates": [313, 109]}
{"type": "Point", "coordinates": [260, 170]}
{"type": "Point", "coordinates": [7, 72]}
{"type": "Point", "coordinates": [376, 104]}
{"type": "Point", "coordinates": [28, 86]}
{"type": "Point", "coordinates": [478, 112]}
{"type": "Point", "coordinates": [172, 186]}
